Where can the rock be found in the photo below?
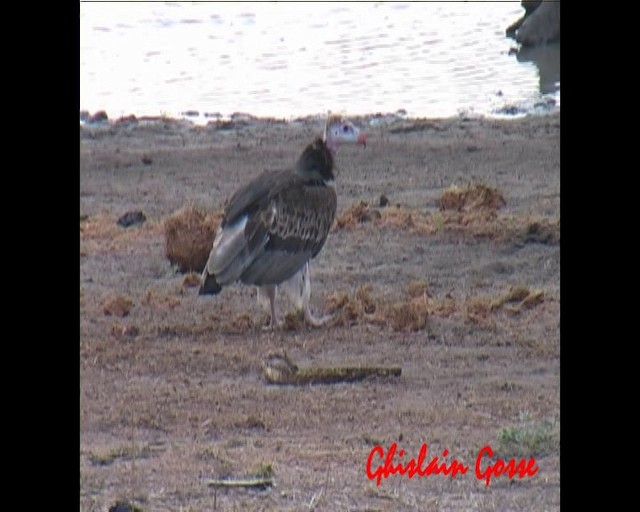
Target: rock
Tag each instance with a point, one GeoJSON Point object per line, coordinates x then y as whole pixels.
{"type": "Point", "coordinates": [546, 104]}
{"type": "Point", "coordinates": [98, 117]}
{"type": "Point", "coordinates": [511, 110]}
{"type": "Point", "coordinates": [223, 125]}
{"type": "Point", "coordinates": [541, 234]}
{"type": "Point", "coordinates": [132, 218]}
{"type": "Point", "coordinates": [130, 119]}
{"type": "Point", "coordinates": [539, 25]}
{"type": "Point", "coordinates": [242, 117]}
{"type": "Point", "coordinates": [125, 506]}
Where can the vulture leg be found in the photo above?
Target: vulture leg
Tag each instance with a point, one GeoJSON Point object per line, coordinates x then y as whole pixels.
{"type": "Point", "coordinates": [270, 292]}
{"type": "Point", "coordinates": [298, 288]}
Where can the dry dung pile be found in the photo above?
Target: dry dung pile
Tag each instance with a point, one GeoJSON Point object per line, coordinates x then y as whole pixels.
{"type": "Point", "coordinates": [189, 235]}
{"type": "Point", "coordinates": [477, 202]}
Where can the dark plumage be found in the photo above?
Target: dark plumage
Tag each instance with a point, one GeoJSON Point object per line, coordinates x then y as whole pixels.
{"type": "Point", "coordinates": [274, 225]}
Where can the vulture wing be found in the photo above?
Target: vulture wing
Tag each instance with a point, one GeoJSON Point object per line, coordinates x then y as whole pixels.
{"type": "Point", "coordinates": [271, 228]}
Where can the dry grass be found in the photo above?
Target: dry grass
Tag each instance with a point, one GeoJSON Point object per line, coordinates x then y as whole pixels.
{"type": "Point", "coordinates": [365, 306]}
{"type": "Point", "coordinates": [120, 331]}
{"type": "Point", "coordinates": [347, 310]}
{"type": "Point", "coordinates": [160, 300]}
{"type": "Point", "coordinates": [407, 315]}
{"type": "Point", "coordinates": [101, 233]}
{"type": "Point", "coordinates": [418, 289]}
{"type": "Point", "coordinates": [360, 307]}
{"type": "Point", "coordinates": [191, 280]}
{"type": "Point", "coordinates": [239, 324]}
{"type": "Point", "coordinates": [117, 305]}
{"type": "Point", "coordinates": [481, 309]}
{"type": "Point", "coordinates": [472, 198]}
{"type": "Point", "coordinates": [468, 213]}
{"type": "Point", "coordinates": [294, 321]}
{"type": "Point", "coordinates": [361, 213]}
{"type": "Point", "coordinates": [469, 205]}
{"type": "Point", "coordinates": [124, 452]}
{"type": "Point", "coordinates": [189, 234]}
{"type": "Point", "coordinates": [412, 313]}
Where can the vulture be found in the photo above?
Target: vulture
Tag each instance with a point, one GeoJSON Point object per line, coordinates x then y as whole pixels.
{"type": "Point", "coordinates": [277, 223]}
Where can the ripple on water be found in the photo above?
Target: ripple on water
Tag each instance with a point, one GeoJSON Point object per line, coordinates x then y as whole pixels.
{"type": "Point", "coordinates": [299, 59]}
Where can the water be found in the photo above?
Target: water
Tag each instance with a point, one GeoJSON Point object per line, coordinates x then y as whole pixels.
{"type": "Point", "coordinates": [288, 59]}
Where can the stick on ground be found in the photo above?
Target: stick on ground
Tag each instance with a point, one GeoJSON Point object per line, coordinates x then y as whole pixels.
{"type": "Point", "coordinates": [279, 369]}
{"type": "Point", "coordinates": [243, 482]}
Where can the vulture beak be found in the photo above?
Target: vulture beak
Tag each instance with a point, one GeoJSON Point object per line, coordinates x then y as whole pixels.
{"type": "Point", "coordinates": [362, 139]}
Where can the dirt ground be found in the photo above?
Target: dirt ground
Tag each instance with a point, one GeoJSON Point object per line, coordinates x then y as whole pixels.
{"type": "Point", "coordinates": [463, 296]}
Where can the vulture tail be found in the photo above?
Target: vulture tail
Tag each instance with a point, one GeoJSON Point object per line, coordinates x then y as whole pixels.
{"type": "Point", "coordinates": [209, 285]}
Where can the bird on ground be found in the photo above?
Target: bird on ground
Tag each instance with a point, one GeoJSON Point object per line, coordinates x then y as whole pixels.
{"type": "Point", "coordinates": [276, 224]}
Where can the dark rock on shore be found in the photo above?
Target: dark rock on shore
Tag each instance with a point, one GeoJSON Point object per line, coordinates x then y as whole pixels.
{"type": "Point", "coordinates": [130, 119]}
{"type": "Point", "coordinates": [99, 117]}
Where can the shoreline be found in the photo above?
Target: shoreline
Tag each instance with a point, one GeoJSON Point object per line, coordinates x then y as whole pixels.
{"type": "Point", "coordinates": [195, 119]}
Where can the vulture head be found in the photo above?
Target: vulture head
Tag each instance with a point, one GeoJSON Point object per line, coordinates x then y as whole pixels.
{"type": "Point", "coordinates": [316, 161]}
{"type": "Point", "coordinates": [340, 131]}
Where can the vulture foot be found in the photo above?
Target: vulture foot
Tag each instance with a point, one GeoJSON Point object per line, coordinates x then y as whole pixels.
{"type": "Point", "coordinates": [315, 321]}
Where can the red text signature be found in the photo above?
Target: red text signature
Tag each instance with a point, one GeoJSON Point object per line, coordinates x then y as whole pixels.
{"type": "Point", "coordinates": [486, 467]}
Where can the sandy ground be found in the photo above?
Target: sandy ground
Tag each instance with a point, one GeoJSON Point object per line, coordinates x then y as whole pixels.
{"type": "Point", "coordinates": [466, 301]}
